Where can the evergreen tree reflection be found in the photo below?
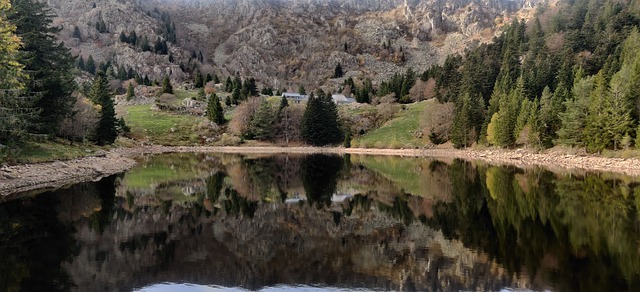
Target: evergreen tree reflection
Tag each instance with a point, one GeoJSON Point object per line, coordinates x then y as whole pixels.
{"type": "Point", "coordinates": [320, 177]}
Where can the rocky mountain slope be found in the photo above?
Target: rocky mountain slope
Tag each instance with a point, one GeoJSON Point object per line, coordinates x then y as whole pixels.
{"type": "Point", "coordinates": [286, 42]}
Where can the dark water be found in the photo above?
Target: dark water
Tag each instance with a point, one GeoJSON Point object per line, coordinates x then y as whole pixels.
{"type": "Point", "coordinates": [196, 222]}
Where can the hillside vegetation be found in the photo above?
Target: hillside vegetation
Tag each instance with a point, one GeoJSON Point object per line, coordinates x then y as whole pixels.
{"type": "Point", "coordinates": [563, 73]}
{"type": "Point", "coordinates": [568, 77]}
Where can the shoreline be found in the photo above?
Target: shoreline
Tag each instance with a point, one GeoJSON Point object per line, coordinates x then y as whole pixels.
{"type": "Point", "coordinates": [51, 175]}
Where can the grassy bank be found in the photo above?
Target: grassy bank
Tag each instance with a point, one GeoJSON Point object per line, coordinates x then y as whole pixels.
{"type": "Point", "coordinates": [37, 152]}
{"type": "Point", "coordinates": [160, 127]}
{"type": "Point", "coordinates": [403, 131]}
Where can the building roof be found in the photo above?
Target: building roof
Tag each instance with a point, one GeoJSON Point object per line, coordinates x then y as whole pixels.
{"type": "Point", "coordinates": [340, 98]}
{"type": "Point", "coordinates": [295, 95]}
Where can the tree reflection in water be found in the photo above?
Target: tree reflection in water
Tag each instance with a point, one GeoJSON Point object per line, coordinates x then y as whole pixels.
{"type": "Point", "coordinates": [326, 220]}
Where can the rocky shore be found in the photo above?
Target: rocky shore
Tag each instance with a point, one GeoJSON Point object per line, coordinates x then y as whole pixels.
{"type": "Point", "coordinates": [23, 178]}
{"type": "Point", "coordinates": [51, 175]}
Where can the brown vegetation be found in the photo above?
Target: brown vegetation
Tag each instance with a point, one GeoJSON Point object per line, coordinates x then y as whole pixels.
{"type": "Point", "coordinates": [82, 122]}
{"type": "Point", "coordinates": [242, 116]}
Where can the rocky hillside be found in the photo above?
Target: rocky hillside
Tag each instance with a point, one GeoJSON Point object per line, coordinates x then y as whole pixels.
{"type": "Point", "coordinates": [285, 42]}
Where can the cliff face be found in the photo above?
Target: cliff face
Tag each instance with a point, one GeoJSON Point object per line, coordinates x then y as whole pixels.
{"type": "Point", "coordinates": [286, 42]}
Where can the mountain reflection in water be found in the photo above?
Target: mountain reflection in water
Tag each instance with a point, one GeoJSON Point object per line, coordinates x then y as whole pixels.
{"type": "Point", "coordinates": [192, 222]}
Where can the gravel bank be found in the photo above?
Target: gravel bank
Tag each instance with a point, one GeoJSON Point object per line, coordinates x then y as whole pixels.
{"type": "Point", "coordinates": [51, 175]}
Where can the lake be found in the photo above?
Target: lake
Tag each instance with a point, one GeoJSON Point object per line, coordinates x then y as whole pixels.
{"type": "Point", "coordinates": [220, 222]}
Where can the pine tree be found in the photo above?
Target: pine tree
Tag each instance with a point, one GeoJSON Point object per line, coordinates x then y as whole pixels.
{"type": "Point", "coordinates": [507, 115]}
{"type": "Point", "coordinates": [609, 118]}
{"type": "Point", "coordinates": [637, 141]}
{"type": "Point", "coordinates": [47, 62]}
{"type": "Point", "coordinates": [214, 110]}
{"type": "Point", "coordinates": [237, 82]}
{"type": "Point", "coordinates": [130, 91]}
{"type": "Point", "coordinates": [80, 63]}
{"type": "Point", "coordinates": [235, 96]}
{"type": "Point", "coordinates": [530, 135]}
{"type": "Point", "coordinates": [101, 26]}
{"type": "Point", "coordinates": [144, 45]}
{"type": "Point", "coordinates": [461, 123]}
{"type": "Point", "coordinates": [122, 73]}
{"type": "Point", "coordinates": [408, 80]}
{"type": "Point", "coordinates": [15, 111]}
{"type": "Point", "coordinates": [320, 124]}
{"type": "Point", "coordinates": [630, 69]}
{"type": "Point", "coordinates": [616, 121]}
{"type": "Point", "coordinates": [523, 116]}
{"type": "Point", "coordinates": [309, 127]}
{"type": "Point", "coordinates": [337, 71]}
{"type": "Point", "coordinates": [283, 104]}
{"type": "Point", "coordinates": [261, 125]}
{"type": "Point", "coordinates": [208, 78]}
{"type": "Point", "coordinates": [215, 79]}
{"type": "Point", "coordinates": [551, 105]}
{"type": "Point", "coordinates": [76, 33]}
{"type": "Point", "coordinates": [253, 89]}
{"type": "Point", "coordinates": [228, 85]}
{"type": "Point", "coordinates": [133, 38]}
{"type": "Point", "coordinates": [301, 90]}
{"type": "Point", "coordinates": [106, 132]}
{"type": "Point", "coordinates": [201, 94]}
{"type": "Point", "coordinates": [245, 91]}
{"type": "Point", "coordinates": [166, 85]}
{"type": "Point", "coordinates": [123, 37]}
{"type": "Point", "coordinates": [267, 91]}
{"type": "Point", "coordinates": [91, 65]}
{"type": "Point", "coordinates": [198, 82]}
{"type": "Point", "coordinates": [467, 120]}
{"type": "Point", "coordinates": [574, 118]}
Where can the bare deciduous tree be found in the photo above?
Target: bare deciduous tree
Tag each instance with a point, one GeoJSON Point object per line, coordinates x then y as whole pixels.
{"type": "Point", "coordinates": [437, 120]}
{"type": "Point", "coordinates": [82, 122]}
{"type": "Point", "coordinates": [288, 126]}
{"type": "Point", "coordinates": [423, 90]}
{"type": "Point", "coordinates": [243, 115]}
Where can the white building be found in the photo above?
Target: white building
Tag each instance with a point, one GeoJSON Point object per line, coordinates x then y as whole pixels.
{"type": "Point", "coordinates": [295, 97]}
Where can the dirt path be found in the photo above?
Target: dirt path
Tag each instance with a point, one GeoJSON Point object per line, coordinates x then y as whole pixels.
{"type": "Point", "coordinates": [22, 178]}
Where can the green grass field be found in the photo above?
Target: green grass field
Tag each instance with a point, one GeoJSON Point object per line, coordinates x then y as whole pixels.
{"type": "Point", "coordinates": [399, 132]}
{"type": "Point", "coordinates": [182, 94]}
{"type": "Point", "coordinates": [37, 152]}
{"type": "Point", "coordinates": [161, 127]}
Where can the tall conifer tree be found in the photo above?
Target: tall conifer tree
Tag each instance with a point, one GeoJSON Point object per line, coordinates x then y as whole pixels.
{"type": "Point", "coordinates": [106, 132]}
{"type": "Point", "coordinates": [166, 85]}
{"type": "Point", "coordinates": [47, 62]}
{"type": "Point", "coordinates": [214, 110]}
{"type": "Point", "coordinates": [16, 111]}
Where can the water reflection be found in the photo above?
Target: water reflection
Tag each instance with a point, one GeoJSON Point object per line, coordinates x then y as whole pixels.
{"type": "Point", "coordinates": [289, 221]}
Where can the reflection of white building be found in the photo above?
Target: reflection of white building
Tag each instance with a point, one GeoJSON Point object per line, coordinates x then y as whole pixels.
{"type": "Point", "coordinates": [335, 198]}
{"type": "Point", "coordinates": [339, 198]}
{"type": "Point", "coordinates": [295, 97]}
{"type": "Point", "coordinates": [341, 99]}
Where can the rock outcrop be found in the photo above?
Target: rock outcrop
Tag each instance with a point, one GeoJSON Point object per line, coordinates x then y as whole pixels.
{"type": "Point", "coordinates": [284, 42]}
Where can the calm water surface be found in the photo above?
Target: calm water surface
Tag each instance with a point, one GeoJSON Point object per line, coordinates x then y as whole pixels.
{"type": "Point", "coordinates": [207, 222]}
